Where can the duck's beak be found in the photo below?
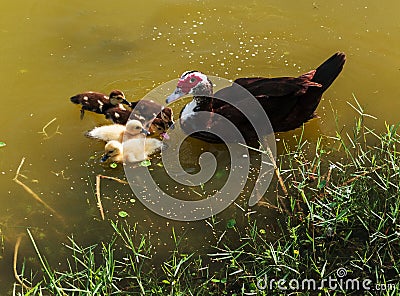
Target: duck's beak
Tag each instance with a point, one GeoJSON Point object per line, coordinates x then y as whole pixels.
{"type": "Point", "coordinates": [105, 157]}
{"type": "Point", "coordinates": [171, 125]}
{"type": "Point", "coordinates": [175, 95]}
{"type": "Point", "coordinates": [145, 131]}
{"type": "Point", "coordinates": [125, 101]}
{"type": "Point", "coordinates": [165, 136]}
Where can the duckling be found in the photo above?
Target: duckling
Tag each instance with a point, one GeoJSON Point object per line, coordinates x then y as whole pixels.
{"type": "Point", "coordinates": [107, 132]}
{"type": "Point", "coordinates": [120, 116]}
{"type": "Point", "coordinates": [146, 108]}
{"type": "Point", "coordinates": [158, 128]}
{"type": "Point", "coordinates": [134, 130]}
{"type": "Point", "coordinates": [133, 150]}
{"type": "Point", "coordinates": [150, 109]}
{"type": "Point", "coordinates": [116, 132]}
{"type": "Point", "coordinates": [98, 102]}
{"type": "Point", "coordinates": [167, 116]}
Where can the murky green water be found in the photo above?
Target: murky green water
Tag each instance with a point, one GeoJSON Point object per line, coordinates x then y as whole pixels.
{"type": "Point", "coordinates": [51, 50]}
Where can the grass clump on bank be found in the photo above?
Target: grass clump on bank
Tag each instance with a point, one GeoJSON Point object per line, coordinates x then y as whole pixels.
{"type": "Point", "coordinates": [339, 223]}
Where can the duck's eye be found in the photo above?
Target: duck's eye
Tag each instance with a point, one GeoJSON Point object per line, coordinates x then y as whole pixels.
{"type": "Point", "coordinates": [192, 80]}
{"type": "Point", "coordinates": [138, 127]}
{"type": "Point", "coordinates": [159, 128]}
{"type": "Point", "coordinates": [111, 151]}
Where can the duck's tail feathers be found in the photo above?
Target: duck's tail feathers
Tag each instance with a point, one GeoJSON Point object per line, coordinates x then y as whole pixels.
{"type": "Point", "coordinates": [107, 132]}
{"type": "Point", "coordinates": [153, 145]}
{"type": "Point", "coordinates": [91, 134]}
{"type": "Point", "coordinates": [327, 72]}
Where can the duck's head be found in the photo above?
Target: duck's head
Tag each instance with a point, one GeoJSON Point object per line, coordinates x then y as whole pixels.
{"type": "Point", "coordinates": [158, 127]}
{"type": "Point", "coordinates": [118, 97]}
{"type": "Point", "coordinates": [167, 115]}
{"type": "Point", "coordinates": [111, 150]}
{"type": "Point", "coordinates": [135, 127]}
{"type": "Point", "coordinates": [194, 83]}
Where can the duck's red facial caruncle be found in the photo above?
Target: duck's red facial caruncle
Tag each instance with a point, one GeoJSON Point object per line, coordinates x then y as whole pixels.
{"type": "Point", "coordinates": [189, 83]}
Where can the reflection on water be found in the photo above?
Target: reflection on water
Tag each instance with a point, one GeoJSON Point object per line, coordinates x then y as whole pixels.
{"type": "Point", "coordinates": [50, 51]}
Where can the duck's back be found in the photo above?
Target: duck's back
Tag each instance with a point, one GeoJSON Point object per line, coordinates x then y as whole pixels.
{"type": "Point", "coordinates": [136, 150]}
{"type": "Point", "coordinates": [92, 101]}
{"type": "Point", "coordinates": [148, 109]}
{"type": "Point", "coordinates": [291, 101]}
{"type": "Point", "coordinates": [107, 132]}
{"type": "Point", "coordinates": [117, 115]}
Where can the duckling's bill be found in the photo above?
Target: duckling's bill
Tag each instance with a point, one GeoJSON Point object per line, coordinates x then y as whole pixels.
{"type": "Point", "coordinates": [105, 157]}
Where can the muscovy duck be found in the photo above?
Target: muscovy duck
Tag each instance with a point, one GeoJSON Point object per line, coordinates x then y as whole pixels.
{"type": "Point", "coordinates": [288, 101]}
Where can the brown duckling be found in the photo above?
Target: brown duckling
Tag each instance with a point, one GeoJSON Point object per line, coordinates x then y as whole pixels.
{"type": "Point", "coordinates": [118, 115]}
{"type": "Point", "coordinates": [146, 108]}
{"type": "Point", "coordinates": [159, 128]}
{"type": "Point", "coordinates": [150, 109]}
{"type": "Point", "coordinates": [99, 102]}
{"type": "Point", "coordinates": [163, 120]}
{"type": "Point", "coordinates": [167, 116]}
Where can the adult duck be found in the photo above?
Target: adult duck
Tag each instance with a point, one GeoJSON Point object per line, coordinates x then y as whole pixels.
{"type": "Point", "coordinates": [288, 101]}
{"type": "Point", "coordinates": [99, 102]}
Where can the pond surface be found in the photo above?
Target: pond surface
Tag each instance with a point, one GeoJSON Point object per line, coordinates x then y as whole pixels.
{"type": "Point", "coordinates": [51, 50]}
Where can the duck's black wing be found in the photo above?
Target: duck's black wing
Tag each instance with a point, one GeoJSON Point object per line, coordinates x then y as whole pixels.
{"type": "Point", "coordinates": [288, 101]}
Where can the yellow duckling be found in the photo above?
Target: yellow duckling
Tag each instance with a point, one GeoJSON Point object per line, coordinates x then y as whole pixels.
{"type": "Point", "coordinates": [133, 150]}
{"type": "Point", "coordinates": [117, 132]}
{"type": "Point", "coordinates": [133, 130]}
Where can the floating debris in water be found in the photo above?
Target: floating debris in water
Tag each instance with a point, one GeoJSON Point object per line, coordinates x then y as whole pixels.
{"type": "Point", "coordinates": [123, 214]}
{"type": "Point", "coordinates": [2, 144]}
{"type": "Point", "coordinates": [145, 163]}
